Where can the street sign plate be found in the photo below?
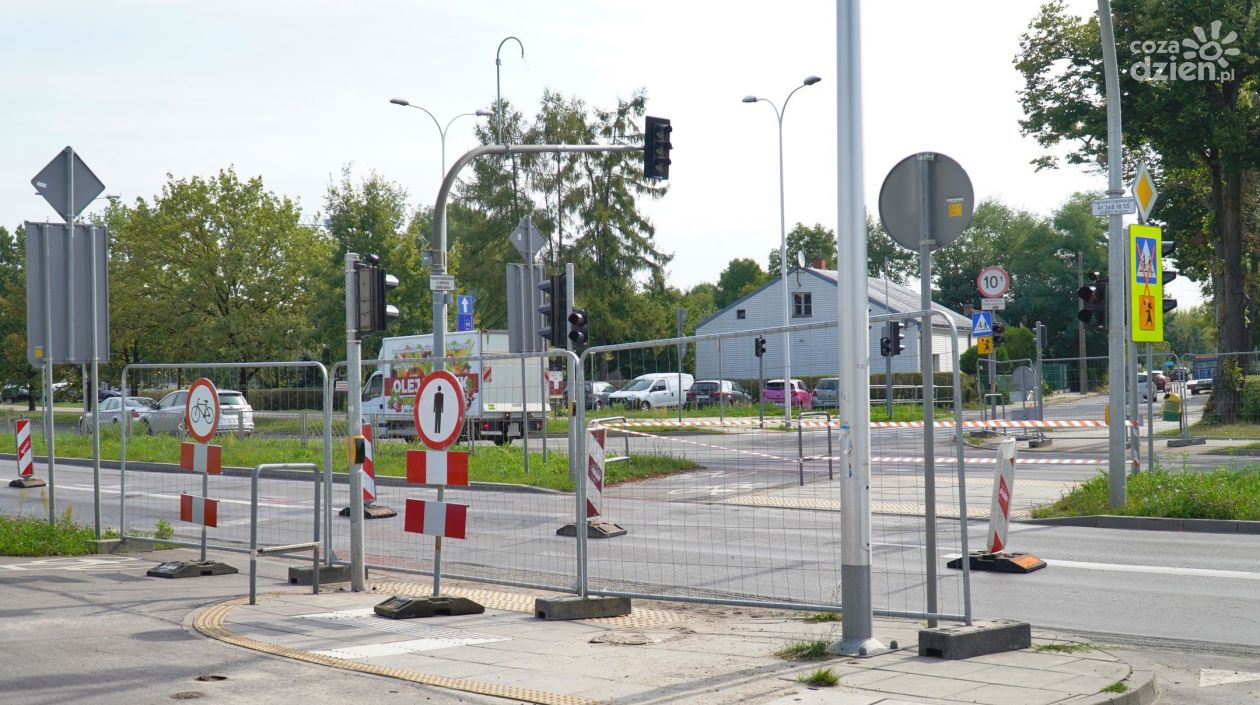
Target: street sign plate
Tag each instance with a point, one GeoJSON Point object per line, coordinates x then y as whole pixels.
{"type": "Point", "coordinates": [463, 322]}
{"type": "Point", "coordinates": [993, 282]}
{"type": "Point", "coordinates": [71, 260]}
{"type": "Point", "coordinates": [1146, 286]}
{"type": "Point", "coordinates": [984, 346]}
{"type": "Point", "coordinates": [442, 282]}
{"type": "Point", "coordinates": [464, 304]}
{"type": "Point", "coordinates": [950, 200]}
{"type": "Point", "coordinates": [993, 304]}
{"type": "Point", "coordinates": [1144, 191]}
{"type": "Point", "coordinates": [982, 324]}
{"type": "Point", "coordinates": [439, 409]}
{"type": "Point", "coordinates": [201, 410]}
{"type": "Point", "coordinates": [1124, 205]}
{"type": "Point", "coordinates": [53, 184]}
{"type": "Point", "coordinates": [527, 239]}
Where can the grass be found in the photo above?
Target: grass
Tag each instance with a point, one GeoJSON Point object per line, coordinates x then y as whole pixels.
{"type": "Point", "coordinates": [487, 464]}
{"type": "Point", "coordinates": [1208, 430]}
{"type": "Point", "coordinates": [1220, 494]}
{"type": "Point", "coordinates": [821, 678]}
{"type": "Point", "coordinates": [824, 617]}
{"type": "Point", "coordinates": [31, 536]}
{"type": "Point", "coordinates": [1062, 648]}
{"type": "Point", "coordinates": [1117, 687]}
{"type": "Point", "coordinates": [805, 650]}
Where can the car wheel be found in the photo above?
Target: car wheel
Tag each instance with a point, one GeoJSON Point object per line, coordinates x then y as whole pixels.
{"type": "Point", "coordinates": [147, 430]}
{"type": "Point", "coordinates": [644, 405]}
{"type": "Point", "coordinates": [82, 427]}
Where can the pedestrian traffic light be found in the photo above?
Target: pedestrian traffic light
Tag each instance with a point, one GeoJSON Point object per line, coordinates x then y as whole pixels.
{"type": "Point", "coordinates": [578, 319]}
{"type": "Point", "coordinates": [885, 347]}
{"type": "Point", "coordinates": [999, 333]}
{"type": "Point", "coordinates": [1095, 297]}
{"type": "Point", "coordinates": [896, 337]}
{"type": "Point", "coordinates": [556, 324]}
{"type": "Point", "coordinates": [372, 283]}
{"type": "Point", "coordinates": [1169, 305]}
{"type": "Point", "coordinates": [759, 346]}
{"type": "Point", "coordinates": [1167, 247]}
{"type": "Point", "coordinates": [656, 147]}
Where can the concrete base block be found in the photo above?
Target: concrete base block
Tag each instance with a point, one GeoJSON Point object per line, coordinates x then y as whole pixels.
{"type": "Point", "coordinates": [304, 574]}
{"type": "Point", "coordinates": [594, 530]}
{"type": "Point", "coordinates": [982, 637]}
{"type": "Point", "coordinates": [407, 607]}
{"type": "Point", "coordinates": [1040, 443]}
{"type": "Point", "coordinates": [553, 608]}
{"type": "Point", "coordinates": [119, 546]}
{"type": "Point", "coordinates": [374, 511]}
{"type": "Point", "coordinates": [26, 483]}
{"type": "Point", "coordinates": [1183, 442]}
{"type": "Point", "coordinates": [190, 569]}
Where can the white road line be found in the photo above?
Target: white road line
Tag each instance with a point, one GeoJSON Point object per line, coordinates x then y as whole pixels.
{"type": "Point", "coordinates": [158, 495]}
{"type": "Point", "coordinates": [1151, 569]}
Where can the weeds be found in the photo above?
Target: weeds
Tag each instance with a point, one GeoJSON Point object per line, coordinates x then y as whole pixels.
{"type": "Point", "coordinates": [1117, 687]}
{"type": "Point", "coordinates": [1062, 648]}
{"type": "Point", "coordinates": [822, 678]}
{"type": "Point", "coordinates": [823, 617]}
{"type": "Point", "coordinates": [805, 650]}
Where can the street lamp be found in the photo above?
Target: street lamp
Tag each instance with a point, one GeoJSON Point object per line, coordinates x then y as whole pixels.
{"type": "Point", "coordinates": [787, 299]}
{"type": "Point", "coordinates": [441, 130]}
{"type": "Point", "coordinates": [498, 95]}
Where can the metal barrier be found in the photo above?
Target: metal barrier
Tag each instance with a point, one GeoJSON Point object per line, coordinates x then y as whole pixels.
{"type": "Point", "coordinates": [800, 443]}
{"type": "Point", "coordinates": [626, 436]}
{"type": "Point", "coordinates": [255, 550]}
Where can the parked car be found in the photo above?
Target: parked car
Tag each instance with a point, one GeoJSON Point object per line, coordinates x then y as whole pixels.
{"type": "Point", "coordinates": [15, 393]}
{"type": "Point", "coordinates": [827, 392]}
{"type": "Point", "coordinates": [1142, 386]}
{"type": "Point", "coordinates": [111, 411]}
{"type": "Point", "coordinates": [235, 414]}
{"type": "Point", "coordinates": [596, 394]}
{"type": "Point", "coordinates": [772, 393]}
{"type": "Point", "coordinates": [1199, 385]}
{"type": "Point", "coordinates": [653, 390]}
{"type": "Point", "coordinates": [715, 391]}
{"type": "Point", "coordinates": [103, 394]}
{"type": "Point", "coordinates": [1161, 382]}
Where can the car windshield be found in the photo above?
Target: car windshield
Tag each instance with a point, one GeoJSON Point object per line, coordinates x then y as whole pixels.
{"type": "Point", "coordinates": [704, 387]}
{"type": "Point", "coordinates": [775, 386]}
{"type": "Point", "coordinates": [826, 384]}
{"type": "Point", "coordinates": [638, 385]}
{"type": "Point", "coordinates": [232, 399]}
{"type": "Point", "coordinates": [140, 403]}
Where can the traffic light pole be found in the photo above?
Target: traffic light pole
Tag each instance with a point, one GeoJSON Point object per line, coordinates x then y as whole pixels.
{"type": "Point", "coordinates": [888, 374]}
{"type": "Point", "coordinates": [1116, 486]}
{"type": "Point", "coordinates": [354, 420]}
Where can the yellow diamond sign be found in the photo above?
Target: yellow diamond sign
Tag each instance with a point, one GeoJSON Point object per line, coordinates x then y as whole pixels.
{"type": "Point", "coordinates": [1144, 191]}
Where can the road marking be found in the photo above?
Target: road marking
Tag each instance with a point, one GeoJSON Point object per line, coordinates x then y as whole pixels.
{"type": "Point", "coordinates": [159, 495]}
{"type": "Point", "coordinates": [1152, 569]}
{"type": "Point", "coordinates": [83, 563]}
{"type": "Point", "coordinates": [1209, 677]}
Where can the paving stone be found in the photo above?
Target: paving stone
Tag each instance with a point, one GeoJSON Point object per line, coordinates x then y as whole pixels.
{"type": "Point", "coordinates": [916, 685]}
{"type": "Point", "coordinates": [1009, 694]}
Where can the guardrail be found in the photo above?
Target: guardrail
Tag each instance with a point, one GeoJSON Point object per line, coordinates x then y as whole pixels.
{"type": "Point", "coordinates": [255, 550]}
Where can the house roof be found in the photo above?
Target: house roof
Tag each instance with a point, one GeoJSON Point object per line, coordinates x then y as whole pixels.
{"type": "Point", "coordinates": [883, 292]}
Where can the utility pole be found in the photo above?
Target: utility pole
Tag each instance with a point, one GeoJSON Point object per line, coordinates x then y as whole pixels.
{"type": "Point", "coordinates": [354, 420]}
{"type": "Point", "coordinates": [1080, 325]}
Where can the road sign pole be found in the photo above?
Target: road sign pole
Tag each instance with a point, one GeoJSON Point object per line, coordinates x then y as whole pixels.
{"type": "Point", "coordinates": [1116, 336]}
{"type": "Point", "coordinates": [49, 431]}
{"type": "Point", "coordinates": [354, 420]}
{"type": "Point", "coordinates": [888, 376]}
{"type": "Point", "coordinates": [927, 378]}
{"type": "Point", "coordinates": [1150, 408]}
{"type": "Point", "coordinates": [95, 385]}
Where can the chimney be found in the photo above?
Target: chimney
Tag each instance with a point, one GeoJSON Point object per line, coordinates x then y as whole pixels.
{"type": "Point", "coordinates": [818, 264]}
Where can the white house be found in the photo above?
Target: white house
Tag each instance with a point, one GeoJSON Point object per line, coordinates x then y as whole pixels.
{"type": "Point", "coordinates": [813, 294]}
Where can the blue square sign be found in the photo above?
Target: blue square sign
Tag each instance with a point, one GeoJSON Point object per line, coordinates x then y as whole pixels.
{"type": "Point", "coordinates": [982, 324]}
{"type": "Point", "coordinates": [464, 305]}
{"type": "Point", "coordinates": [463, 322]}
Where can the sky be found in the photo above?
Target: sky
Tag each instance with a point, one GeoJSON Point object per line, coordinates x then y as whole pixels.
{"type": "Point", "coordinates": [294, 91]}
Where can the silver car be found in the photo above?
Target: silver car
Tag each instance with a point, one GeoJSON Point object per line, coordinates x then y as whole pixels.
{"type": "Point", "coordinates": [111, 411]}
{"type": "Point", "coordinates": [235, 414]}
{"type": "Point", "coordinates": [827, 393]}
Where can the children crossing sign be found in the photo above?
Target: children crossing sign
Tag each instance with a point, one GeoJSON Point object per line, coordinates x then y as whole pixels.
{"type": "Point", "coordinates": [1146, 284]}
{"type": "Point", "coordinates": [982, 324]}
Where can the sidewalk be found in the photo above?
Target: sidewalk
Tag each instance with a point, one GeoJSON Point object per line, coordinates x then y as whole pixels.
{"type": "Point", "coordinates": [662, 653]}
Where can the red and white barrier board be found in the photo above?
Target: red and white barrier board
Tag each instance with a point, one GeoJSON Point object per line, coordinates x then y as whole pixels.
{"type": "Point", "coordinates": [437, 467]}
{"type": "Point", "coordinates": [1003, 487]}
{"type": "Point", "coordinates": [436, 518]}
{"type": "Point", "coordinates": [367, 474]}
{"type": "Point", "coordinates": [595, 438]}
{"type": "Point", "coordinates": [199, 457]}
{"type": "Point", "coordinates": [26, 457]}
{"type": "Point", "coordinates": [199, 510]}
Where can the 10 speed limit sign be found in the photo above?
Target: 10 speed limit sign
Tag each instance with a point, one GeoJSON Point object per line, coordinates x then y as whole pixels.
{"type": "Point", "coordinates": [993, 282]}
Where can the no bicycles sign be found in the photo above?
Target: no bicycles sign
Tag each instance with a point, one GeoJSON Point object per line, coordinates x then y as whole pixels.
{"type": "Point", "coordinates": [201, 410]}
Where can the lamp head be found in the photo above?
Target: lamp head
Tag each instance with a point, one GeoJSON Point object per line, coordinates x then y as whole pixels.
{"type": "Point", "coordinates": [399, 101]}
{"type": "Point", "coordinates": [750, 99]}
{"type": "Point", "coordinates": [811, 80]}
{"type": "Point", "coordinates": [484, 113]}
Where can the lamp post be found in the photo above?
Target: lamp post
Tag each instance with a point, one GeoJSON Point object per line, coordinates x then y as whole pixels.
{"type": "Point", "coordinates": [438, 265]}
{"type": "Point", "coordinates": [498, 95]}
{"type": "Point", "coordinates": [787, 299]}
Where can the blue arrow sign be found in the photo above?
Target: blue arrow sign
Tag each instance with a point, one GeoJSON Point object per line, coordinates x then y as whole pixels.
{"type": "Point", "coordinates": [464, 305]}
{"type": "Point", "coordinates": [463, 322]}
{"type": "Point", "coordinates": [982, 324]}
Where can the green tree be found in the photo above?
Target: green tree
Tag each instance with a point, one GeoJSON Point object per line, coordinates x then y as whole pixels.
{"type": "Point", "coordinates": [885, 258]}
{"type": "Point", "coordinates": [1191, 330]}
{"type": "Point", "coordinates": [1020, 344]}
{"type": "Point", "coordinates": [741, 276]}
{"type": "Point", "coordinates": [814, 242]}
{"type": "Point", "coordinates": [1213, 141]}
{"type": "Point", "coordinates": [14, 368]}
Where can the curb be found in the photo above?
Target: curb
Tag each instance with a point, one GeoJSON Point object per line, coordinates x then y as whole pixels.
{"type": "Point", "coordinates": [1109, 521]}
{"type": "Point", "coordinates": [1141, 682]}
{"type": "Point", "coordinates": [338, 478]}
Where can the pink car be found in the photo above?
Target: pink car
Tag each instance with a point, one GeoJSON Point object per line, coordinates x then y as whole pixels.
{"type": "Point", "coordinates": [772, 393]}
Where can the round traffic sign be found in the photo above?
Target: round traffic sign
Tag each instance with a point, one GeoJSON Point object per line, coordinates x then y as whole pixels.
{"type": "Point", "coordinates": [201, 410]}
{"type": "Point", "coordinates": [439, 409]}
{"type": "Point", "coordinates": [993, 282]}
{"type": "Point", "coordinates": [949, 200]}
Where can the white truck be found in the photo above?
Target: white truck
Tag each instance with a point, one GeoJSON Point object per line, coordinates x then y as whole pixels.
{"type": "Point", "coordinates": [492, 388]}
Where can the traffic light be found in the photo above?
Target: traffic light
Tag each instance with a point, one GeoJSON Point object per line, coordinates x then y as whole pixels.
{"type": "Point", "coordinates": [1095, 298]}
{"type": "Point", "coordinates": [999, 333]}
{"type": "Point", "coordinates": [759, 346]}
{"type": "Point", "coordinates": [1167, 247]}
{"type": "Point", "coordinates": [1169, 305]}
{"type": "Point", "coordinates": [896, 337]}
{"type": "Point", "coordinates": [372, 283]}
{"type": "Point", "coordinates": [556, 325]}
{"type": "Point", "coordinates": [578, 318]}
{"type": "Point", "coordinates": [656, 148]}
{"type": "Point", "coordinates": [885, 347]}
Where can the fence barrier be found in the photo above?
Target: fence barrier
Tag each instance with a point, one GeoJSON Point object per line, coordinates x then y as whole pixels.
{"type": "Point", "coordinates": [277, 549]}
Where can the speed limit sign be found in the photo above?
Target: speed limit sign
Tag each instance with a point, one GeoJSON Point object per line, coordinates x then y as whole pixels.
{"type": "Point", "coordinates": [993, 282]}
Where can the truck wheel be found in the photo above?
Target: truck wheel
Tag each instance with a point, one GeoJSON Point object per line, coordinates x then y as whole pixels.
{"type": "Point", "coordinates": [502, 439]}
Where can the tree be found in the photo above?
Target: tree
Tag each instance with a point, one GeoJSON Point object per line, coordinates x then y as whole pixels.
{"type": "Point", "coordinates": [1191, 330]}
{"type": "Point", "coordinates": [14, 367]}
{"type": "Point", "coordinates": [885, 258]}
{"type": "Point", "coordinates": [1214, 139]}
{"type": "Point", "coordinates": [814, 242]}
{"type": "Point", "coordinates": [741, 276]}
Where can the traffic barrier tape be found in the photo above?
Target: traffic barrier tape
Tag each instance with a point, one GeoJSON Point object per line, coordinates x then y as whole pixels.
{"type": "Point", "coordinates": [875, 425]}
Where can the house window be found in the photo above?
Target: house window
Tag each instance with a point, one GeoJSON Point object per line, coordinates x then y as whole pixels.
{"type": "Point", "coordinates": [739, 313]}
{"type": "Point", "coordinates": [803, 305]}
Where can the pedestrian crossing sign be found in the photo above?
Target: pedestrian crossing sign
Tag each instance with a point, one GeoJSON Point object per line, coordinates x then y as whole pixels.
{"type": "Point", "coordinates": [1146, 284]}
{"type": "Point", "coordinates": [981, 324]}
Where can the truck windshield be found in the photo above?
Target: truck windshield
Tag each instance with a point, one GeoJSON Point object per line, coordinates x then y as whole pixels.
{"type": "Point", "coordinates": [374, 387]}
{"type": "Point", "coordinates": [638, 385]}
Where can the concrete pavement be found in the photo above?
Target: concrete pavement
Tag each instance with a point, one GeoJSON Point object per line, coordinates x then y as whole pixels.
{"type": "Point", "coordinates": [147, 641]}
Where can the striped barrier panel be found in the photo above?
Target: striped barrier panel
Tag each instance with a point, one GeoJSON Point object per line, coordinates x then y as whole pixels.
{"type": "Point", "coordinates": [199, 510]}
{"type": "Point", "coordinates": [26, 456]}
{"type": "Point", "coordinates": [200, 457]}
{"type": "Point", "coordinates": [445, 519]}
